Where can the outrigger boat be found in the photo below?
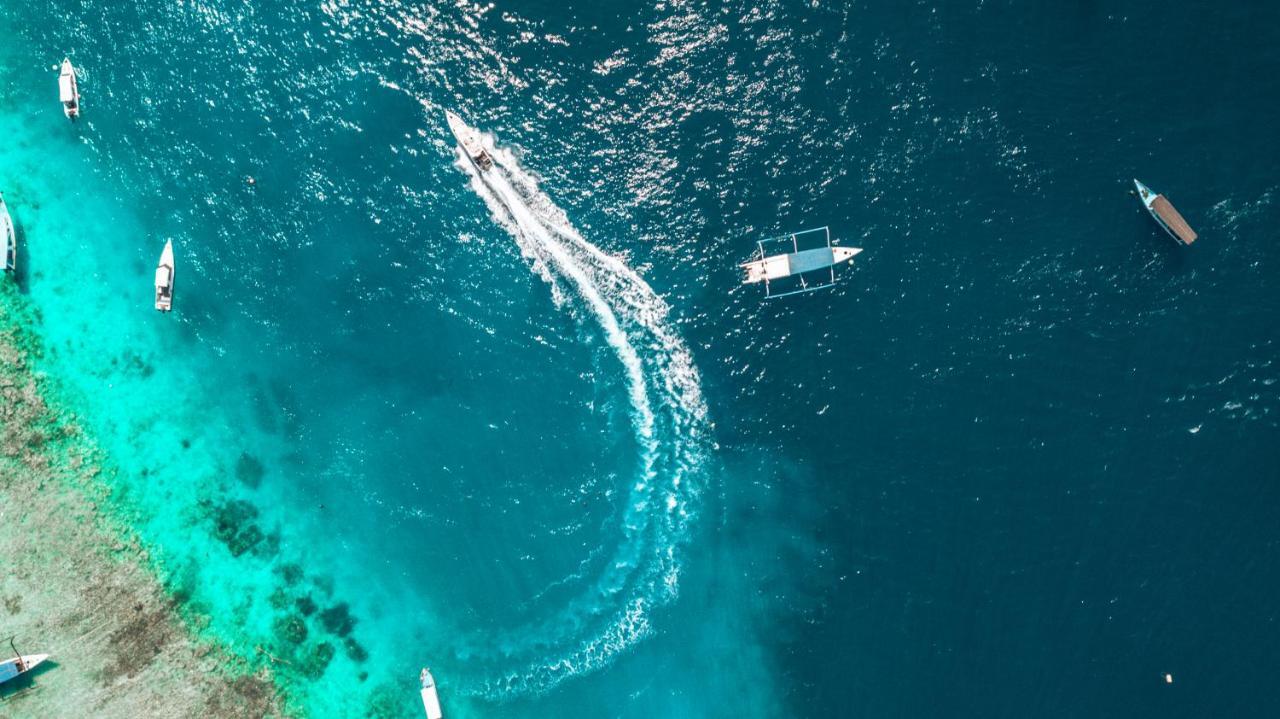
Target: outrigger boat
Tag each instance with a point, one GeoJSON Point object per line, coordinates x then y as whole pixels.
{"type": "Point", "coordinates": [1167, 217]}
{"type": "Point", "coordinates": [68, 91]}
{"type": "Point", "coordinates": [164, 279]}
{"type": "Point", "coordinates": [20, 664]}
{"type": "Point", "coordinates": [430, 700]}
{"type": "Point", "coordinates": [765, 267]}
{"type": "Point", "coordinates": [470, 141]}
{"type": "Point", "coordinates": [9, 238]}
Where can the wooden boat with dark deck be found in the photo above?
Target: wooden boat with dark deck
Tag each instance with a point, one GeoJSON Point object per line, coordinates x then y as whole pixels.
{"type": "Point", "coordinates": [1167, 217]}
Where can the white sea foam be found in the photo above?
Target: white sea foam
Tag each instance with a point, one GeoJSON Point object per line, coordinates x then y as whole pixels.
{"type": "Point", "coordinates": [611, 612]}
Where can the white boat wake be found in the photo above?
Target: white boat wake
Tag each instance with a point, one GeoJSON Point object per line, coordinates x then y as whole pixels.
{"type": "Point", "coordinates": [612, 611]}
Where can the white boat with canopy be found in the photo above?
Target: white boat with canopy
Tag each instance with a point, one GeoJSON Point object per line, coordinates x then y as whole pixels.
{"type": "Point", "coordinates": [430, 699]}
{"type": "Point", "coordinates": [779, 258]}
{"type": "Point", "coordinates": [164, 279]}
{"type": "Point", "coordinates": [470, 141]}
{"type": "Point", "coordinates": [68, 90]}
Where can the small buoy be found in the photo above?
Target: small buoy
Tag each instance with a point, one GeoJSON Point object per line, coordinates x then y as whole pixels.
{"type": "Point", "coordinates": [251, 181]}
{"type": "Point", "coordinates": [1168, 678]}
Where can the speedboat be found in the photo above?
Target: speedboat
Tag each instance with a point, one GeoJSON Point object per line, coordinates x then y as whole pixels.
{"type": "Point", "coordinates": [469, 139]}
{"type": "Point", "coordinates": [766, 266]}
{"type": "Point", "coordinates": [9, 238]}
{"type": "Point", "coordinates": [430, 700]}
{"type": "Point", "coordinates": [68, 91]}
{"type": "Point", "coordinates": [164, 279]}
{"type": "Point", "coordinates": [1165, 216]}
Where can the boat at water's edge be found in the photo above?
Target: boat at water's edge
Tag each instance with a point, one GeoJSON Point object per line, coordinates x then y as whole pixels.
{"type": "Point", "coordinates": [20, 664]}
{"type": "Point", "coordinates": [9, 237]}
{"type": "Point", "coordinates": [1165, 215]}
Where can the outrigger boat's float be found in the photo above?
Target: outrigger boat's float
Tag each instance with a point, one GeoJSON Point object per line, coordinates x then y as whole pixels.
{"type": "Point", "coordinates": [1167, 217]}
{"type": "Point", "coordinates": [68, 91]}
{"type": "Point", "coordinates": [765, 267]}
{"type": "Point", "coordinates": [469, 139]}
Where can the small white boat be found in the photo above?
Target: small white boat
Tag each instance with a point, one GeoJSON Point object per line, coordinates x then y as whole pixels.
{"type": "Point", "coordinates": [1165, 215]}
{"type": "Point", "coordinates": [9, 238]}
{"type": "Point", "coordinates": [430, 700]}
{"type": "Point", "coordinates": [20, 663]}
{"type": "Point", "coordinates": [765, 267]}
{"type": "Point", "coordinates": [470, 141]}
{"type": "Point", "coordinates": [68, 91]}
{"type": "Point", "coordinates": [164, 279]}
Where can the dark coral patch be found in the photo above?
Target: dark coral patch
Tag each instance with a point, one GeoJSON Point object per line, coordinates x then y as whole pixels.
{"type": "Point", "coordinates": [314, 662]}
{"type": "Point", "coordinates": [354, 650]}
{"type": "Point", "coordinates": [338, 619]}
{"type": "Point", "coordinates": [306, 605]}
{"type": "Point", "coordinates": [291, 629]}
{"type": "Point", "coordinates": [233, 524]}
{"type": "Point", "coordinates": [249, 470]}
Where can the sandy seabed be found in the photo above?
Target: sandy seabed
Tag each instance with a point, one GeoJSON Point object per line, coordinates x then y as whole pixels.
{"type": "Point", "coordinates": [75, 583]}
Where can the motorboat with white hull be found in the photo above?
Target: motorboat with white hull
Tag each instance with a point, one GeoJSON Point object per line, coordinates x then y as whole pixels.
{"type": "Point", "coordinates": [68, 90]}
{"type": "Point", "coordinates": [469, 139]}
{"type": "Point", "coordinates": [778, 258]}
{"type": "Point", "coordinates": [164, 279]}
{"type": "Point", "coordinates": [430, 699]}
{"type": "Point", "coordinates": [8, 237]}
{"type": "Point", "coordinates": [1165, 215]}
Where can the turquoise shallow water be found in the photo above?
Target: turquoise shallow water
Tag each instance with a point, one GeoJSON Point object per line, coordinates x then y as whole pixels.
{"type": "Point", "coordinates": [534, 435]}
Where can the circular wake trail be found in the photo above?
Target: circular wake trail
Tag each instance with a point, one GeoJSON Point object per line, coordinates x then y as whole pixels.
{"type": "Point", "coordinates": [612, 611]}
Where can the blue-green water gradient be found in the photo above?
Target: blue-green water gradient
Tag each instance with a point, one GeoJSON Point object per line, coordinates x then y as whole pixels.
{"type": "Point", "coordinates": [1020, 461]}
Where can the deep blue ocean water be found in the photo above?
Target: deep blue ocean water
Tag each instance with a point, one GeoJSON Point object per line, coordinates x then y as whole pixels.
{"type": "Point", "coordinates": [1021, 461]}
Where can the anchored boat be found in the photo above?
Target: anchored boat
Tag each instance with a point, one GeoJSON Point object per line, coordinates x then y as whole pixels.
{"type": "Point", "coordinates": [9, 238]}
{"type": "Point", "coordinates": [768, 264]}
{"type": "Point", "coordinates": [430, 700]}
{"type": "Point", "coordinates": [68, 91]}
{"type": "Point", "coordinates": [164, 279]}
{"type": "Point", "coordinates": [20, 663]}
{"type": "Point", "coordinates": [1167, 217]}
{"type": "Point", "coordinates": [470, 141]}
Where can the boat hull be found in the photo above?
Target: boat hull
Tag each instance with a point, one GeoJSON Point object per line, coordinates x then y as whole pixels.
{"type": "Point", "coordinates": [68, 90]}
{"type": "Point", "coordinates": [9, 238]}
{"type": "Point", "coordinates": [9, 669]}
{"type": "Point", "coordinates": [469, 140]}
{"type": "Point", "coordinates": [430, 698]}
{"type": "Point", "coordinates": [164, 279]}
{"type": "Point", "coordinates": [1163, 212]}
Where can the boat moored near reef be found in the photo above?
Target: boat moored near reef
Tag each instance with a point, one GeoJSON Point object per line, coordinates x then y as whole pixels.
{"type": "Point", "coordinates": [9, 238]}
{"type": "Point", "coordinates": [470, 141]}
{"type": "Point", "coordinates": [20, 663]}
{"type": "Point", "coordinates": [68, 90]}
{"type": "Point", "coordinates": [430, 699]}
{"type": "Point", "coordinates": [164, 279]}
{"type": "Point", "coordinates": [1167, 217]}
